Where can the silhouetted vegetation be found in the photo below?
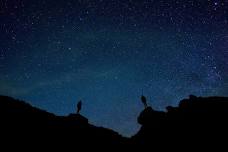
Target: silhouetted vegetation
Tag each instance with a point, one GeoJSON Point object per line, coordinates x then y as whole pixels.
{"type": "Point", "coordinates": [196, 122]}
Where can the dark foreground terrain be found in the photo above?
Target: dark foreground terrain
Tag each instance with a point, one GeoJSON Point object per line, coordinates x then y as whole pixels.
{"type": "Point", "coordinates": [196, 123]}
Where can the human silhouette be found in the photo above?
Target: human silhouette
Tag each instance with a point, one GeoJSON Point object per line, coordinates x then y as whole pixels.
{"type": "Point", "coordinates": [79, 106]}
{"type": "Point", "coordinates": [143, 99]}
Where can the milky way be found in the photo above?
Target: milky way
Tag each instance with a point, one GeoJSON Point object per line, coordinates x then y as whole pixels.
{"type": "Point", "coordinates": [108, 52]}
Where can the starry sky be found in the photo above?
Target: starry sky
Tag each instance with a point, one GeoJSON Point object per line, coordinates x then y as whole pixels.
{"type": "Point", "coordinates": [108, 52]}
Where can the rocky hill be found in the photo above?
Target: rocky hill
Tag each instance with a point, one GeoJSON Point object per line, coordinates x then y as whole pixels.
{"type": "Point", "coordinates": [196, 123]}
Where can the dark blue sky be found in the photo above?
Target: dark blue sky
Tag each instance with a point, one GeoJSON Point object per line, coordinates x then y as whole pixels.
{"type": "Point", "coordinates": [105, 52]}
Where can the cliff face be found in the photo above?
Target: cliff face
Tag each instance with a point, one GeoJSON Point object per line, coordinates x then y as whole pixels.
{"type": "Point", "coordinates": [196, 121]}
{"type": "Point", "coordinates": [23, 125]}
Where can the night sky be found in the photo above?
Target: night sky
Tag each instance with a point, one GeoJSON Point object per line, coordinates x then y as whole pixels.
{"type": "Point", "coordinates": [108, 52]}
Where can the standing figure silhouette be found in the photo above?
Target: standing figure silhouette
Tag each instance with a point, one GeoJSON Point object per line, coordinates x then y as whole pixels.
{"type": "Point", "coordinates": [79, 106]}
{"type": "Point", "coordinates": [143, 99]}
